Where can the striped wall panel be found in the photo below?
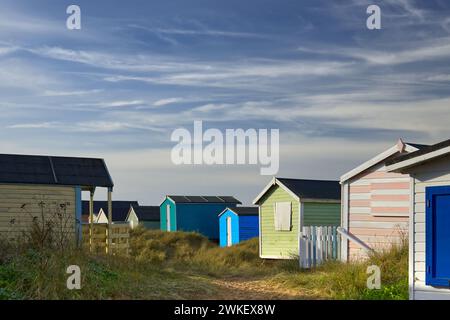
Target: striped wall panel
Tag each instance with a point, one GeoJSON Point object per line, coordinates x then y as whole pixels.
{"type": "Point", "coordinates": [378, 209]}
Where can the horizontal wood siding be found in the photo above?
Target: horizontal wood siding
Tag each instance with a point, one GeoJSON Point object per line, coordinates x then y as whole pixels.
{"type": "Point", "coordinates": [248, 227]}
{"type": "Point", "coordinates": [321, 214]}
{"type": "Point", "coordinates": [278, 244]}
{"type": "Point", "coordinates": [436, 173]}
{"type": "Point", "coordinates": [20, 205]}
{"type": "Point", "coordinates": [378, 209]}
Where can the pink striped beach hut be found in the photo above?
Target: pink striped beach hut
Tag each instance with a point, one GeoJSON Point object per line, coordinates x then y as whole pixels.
{"type": "Point", "coordinates": [375, 204]}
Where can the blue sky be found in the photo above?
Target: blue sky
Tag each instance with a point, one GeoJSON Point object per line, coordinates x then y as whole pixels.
{"type": "Point", "coordinates": [338, 92]}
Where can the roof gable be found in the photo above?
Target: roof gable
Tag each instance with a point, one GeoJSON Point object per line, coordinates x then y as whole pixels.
{"type": "Point", "coordinates": [399, 147]}
{"type": "Point", "coordinates": [425, 154]}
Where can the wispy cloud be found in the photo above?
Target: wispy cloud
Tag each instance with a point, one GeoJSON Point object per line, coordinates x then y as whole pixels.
{"type": "Point", "coordinates": [199, 32]}
{"type": "Point", "coordinates": [117, 104]}
{"type": "Point", "coordinates": [52, 93]}
{"type": "Point", "coordinates": [119, 94]}
{"type": "Point", "coordinates": [166, 101]}
{"type": "Point", "coordinates": [40, 125]}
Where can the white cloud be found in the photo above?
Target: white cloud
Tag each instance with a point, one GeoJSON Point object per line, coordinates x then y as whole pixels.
{"type": "Point", "coordinates": [40, 125]}
{"type": "Point", "coordinates": [115, 104]}
{"type": "Point", "coordinates": [198, 32]}
{"type": "Point", "coordinates": [61, 93]}
{"type": "Point", "coordinates": [163, 102]}
{"type": "Point", "coordinates": [439, 77]}
{"type": "Point", "coordinates": [423, 51]}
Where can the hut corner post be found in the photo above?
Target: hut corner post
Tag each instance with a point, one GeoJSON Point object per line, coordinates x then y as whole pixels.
{"type": "Point", "coordinates": [91, 218]}
{"type": "Point", "coordinates": [108, 248]}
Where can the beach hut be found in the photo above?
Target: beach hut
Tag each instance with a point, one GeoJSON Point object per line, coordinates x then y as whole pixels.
{"type": "Point", "coordinates": [194, 213]}
{"type": "Point", "coordinates": [375, 204]}
{"type": "Point", "coordinates": [429, 223]}
{"type": "Point", "coordinates": [146, 216]}
{"type": "Point", "coordinates": [238, 224]}
{"type": "Point", "coordinates": [287, 205]}
{"type": "Point", "coordinates": [36, 188]}
{"type": "Point", "coordinates": [120, 210]}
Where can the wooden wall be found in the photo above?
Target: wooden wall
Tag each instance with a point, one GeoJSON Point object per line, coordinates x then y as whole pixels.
{"type": "Point", "coordinates": [20, 205]}
{"type": "Point", "coordinates": [436, 173]}
{"type": "Point", "coordinates": [277, 244]}
{"type": "Point", "coordinates": [378, 204]}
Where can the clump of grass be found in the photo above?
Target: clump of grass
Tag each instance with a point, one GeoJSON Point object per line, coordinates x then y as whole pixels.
{"type": "Point", "coordinates": [190, 251]}
{"type": "Point", "coordinates": [240, 259]}
{"type": "Point", "coordinates": [338, 280]}
{"type": "Point", "coordinates": [42, 275]}
{"type": "Point", "coordinates": [157, 246]}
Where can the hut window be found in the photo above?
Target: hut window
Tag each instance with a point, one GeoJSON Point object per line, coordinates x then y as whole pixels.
{"type": "Point", "coordinates": [283, 216]}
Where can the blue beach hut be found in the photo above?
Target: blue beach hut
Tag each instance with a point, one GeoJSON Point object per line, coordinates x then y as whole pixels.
{"type": "Point", "coordinates": [238, 224]}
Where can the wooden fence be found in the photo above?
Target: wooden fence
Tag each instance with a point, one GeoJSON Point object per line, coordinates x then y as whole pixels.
{"type": "Point", "coordinates": [98, 243]}
{"type": "Point", "coordinates": [319, 244]}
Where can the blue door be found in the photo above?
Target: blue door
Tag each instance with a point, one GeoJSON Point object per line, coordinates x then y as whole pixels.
{"type": "Point", "coordinates": [438, 236]}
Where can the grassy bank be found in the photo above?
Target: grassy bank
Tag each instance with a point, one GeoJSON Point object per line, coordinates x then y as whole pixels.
{"type": "Point", "coordinates": [188, 266]}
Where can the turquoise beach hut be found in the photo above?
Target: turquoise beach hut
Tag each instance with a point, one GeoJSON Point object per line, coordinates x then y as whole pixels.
{"type": "Point", "coordinates": [194, 213]}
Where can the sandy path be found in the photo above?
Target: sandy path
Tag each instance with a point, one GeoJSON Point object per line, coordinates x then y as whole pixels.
{"type": "Point", "coordinates": [240, 289]}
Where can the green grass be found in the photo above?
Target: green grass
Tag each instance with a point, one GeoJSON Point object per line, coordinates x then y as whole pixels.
{"type": "Point", "coordinates": [179, 265]}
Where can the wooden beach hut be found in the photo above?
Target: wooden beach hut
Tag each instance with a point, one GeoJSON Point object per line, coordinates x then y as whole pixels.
{"type": "Point", "coordinates": [146, 216]}
{"type": "Point", "coordinates": [47, 189]}
{"type": "Point", "coordinates": [375, 204]}
{"type": "Point", "coordinates": [429, 220]}
{"type": "Point", "coordinates": [287, 205]}
{"type": "Point", "coordinates": [194, 213]}
{"type": "Point", "coordinates": [120, 210]}
{"type": "Point", "coordinates": [238, 224]}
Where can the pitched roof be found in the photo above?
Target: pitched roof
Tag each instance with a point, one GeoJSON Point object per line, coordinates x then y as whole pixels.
{"type": "Point", "coordinates": [418, 146]}
{"type": "Point", "coordinates": [396, 149]}
{"type": "Point", "coordinates": [306, 189]}
{"type": "Point", "coordinates": [119, 208]}
{"type": "Point", "coordinates": [147, 213]}
{"type": "Point", "coordinates": [242, 211]}
{"type": "Point", "coordinates": [424, 154]}
{"type": "Point", "coordinates": [313, 189]}
{"type": "Point", "coordinates": [203, 199]}
{"type": "Point", "coordinates": [54, 170]}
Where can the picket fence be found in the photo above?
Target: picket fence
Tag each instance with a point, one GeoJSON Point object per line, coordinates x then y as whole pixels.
{"type": "Point", "coordinates": [319, 244]}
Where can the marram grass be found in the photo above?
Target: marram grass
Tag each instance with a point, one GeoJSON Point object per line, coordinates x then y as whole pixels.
{"type": "Point", "coordinates": [178, 265]}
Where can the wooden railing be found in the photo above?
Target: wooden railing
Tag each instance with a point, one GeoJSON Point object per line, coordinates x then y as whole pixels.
{"type": "Point", "coordinates": [319, 244]}
{"type": "Point", "coordinates": [101, 242]}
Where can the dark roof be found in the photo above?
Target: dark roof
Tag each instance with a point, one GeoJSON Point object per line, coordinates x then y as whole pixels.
{"type": "Point", "coordinates": [313, 189]}
{"type": "Point", "coordinates": [204, 199]}
{"type": "Point", "coordinates": [119, 208]}
{"type": "Point", "coordinates": [424, 150]}
{"type": "Point", "coordinates": [54, 170]}
{"type": "Point", "coordinates": [417, 145]}
{"type": "Point", "coordinates": [147, 213]}
{"type": "Point", "coordinates": [245, 211]}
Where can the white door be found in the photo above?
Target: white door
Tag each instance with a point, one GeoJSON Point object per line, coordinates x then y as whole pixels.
{"type": "Point", "coordinates": [229, 240]}
{"type": "Point", "coordinates": [168, 217]}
